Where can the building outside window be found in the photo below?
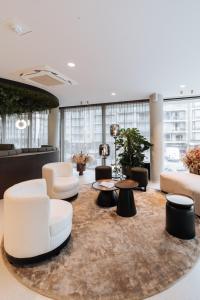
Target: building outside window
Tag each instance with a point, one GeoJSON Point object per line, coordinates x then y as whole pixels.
{"type": "Point", "coordinates": [181, 130]}
{"type": "Point", "coordinates": [85, 128]}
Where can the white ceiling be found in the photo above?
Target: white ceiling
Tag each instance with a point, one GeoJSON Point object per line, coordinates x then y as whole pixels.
{"type": "Point", "coordinates": [131, 47]}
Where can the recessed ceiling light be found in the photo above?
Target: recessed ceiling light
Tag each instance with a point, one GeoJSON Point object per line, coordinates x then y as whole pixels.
{"type": "Point", "coordinates": [113, 94]}
{"type": "Point", "coordinates": [71, 64]}
{"type": "Point", "coordinates": [182, 86]}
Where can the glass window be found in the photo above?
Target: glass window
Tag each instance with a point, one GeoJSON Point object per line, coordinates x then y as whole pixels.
{"type": "Point", "coordinates": [82, 131]}
{"type": "Point", "coordinates": [127, 115]}
{"type": "Point", "coordinates": [181, 131]}
{"type": "Point", "coordinates": [34, 135]}
{"type": "Point", "coordinates": [39, 129]}
{"type": "Point", "coordinates": [13, 135]}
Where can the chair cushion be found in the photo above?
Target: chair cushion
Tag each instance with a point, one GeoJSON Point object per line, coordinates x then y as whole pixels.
{"type": "Point", "coordinates": [60, 216]}
{"type": "Point", "coordinates": [62, 184]}
{"type": "Point", "coordinates": [139, 174]}
{"type": "Point", "coordinates": [3, 153]}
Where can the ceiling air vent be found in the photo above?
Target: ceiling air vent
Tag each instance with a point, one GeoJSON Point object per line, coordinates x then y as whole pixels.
{"type": "Point", "coordinates": [46, 76]}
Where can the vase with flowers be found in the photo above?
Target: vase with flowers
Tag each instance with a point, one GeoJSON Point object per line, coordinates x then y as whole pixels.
{"type": "Point", "coordinates": [192, 160]}
{"type": "Point", "coordinates": [81, 159]}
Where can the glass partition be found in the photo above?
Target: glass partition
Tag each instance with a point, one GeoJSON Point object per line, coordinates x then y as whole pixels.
{"type": "Point", "coordinates": [181, 130]}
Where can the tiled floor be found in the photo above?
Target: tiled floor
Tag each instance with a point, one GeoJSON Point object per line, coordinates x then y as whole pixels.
{"type": "Point", "coordinates": [187, 288]}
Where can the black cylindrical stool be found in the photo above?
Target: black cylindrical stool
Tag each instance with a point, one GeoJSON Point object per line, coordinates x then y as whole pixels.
{"type": "Point", "coordinates": [141, 176]}
{"type": "Point", "coordinates": [180, 217]}
{"type": "Point", "coordinates": [103, 172]}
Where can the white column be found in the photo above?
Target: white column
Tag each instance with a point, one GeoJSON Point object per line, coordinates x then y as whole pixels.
{"type": "Point", "coordinates": [53, 127]}
{"type": "Point", "coordinates": [156, 135]}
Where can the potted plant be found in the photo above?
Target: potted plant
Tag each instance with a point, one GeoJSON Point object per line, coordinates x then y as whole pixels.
{"type": "Point", "coordinates": [192, 160]}
{"type": "Point", "coordinates": [131, 145]}
{"type": "Point", "coordinates": [81, 159]}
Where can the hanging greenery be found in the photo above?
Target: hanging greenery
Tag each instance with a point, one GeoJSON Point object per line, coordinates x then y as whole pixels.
{"type": "Point", "coordinates": [18, 98]}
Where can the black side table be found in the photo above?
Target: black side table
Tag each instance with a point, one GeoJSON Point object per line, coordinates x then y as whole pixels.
{"type": "Point", "coordinates": [107, 196]}
{"type": "Point", "coordinates": [180, 217]}
{"type": "Point", "coordinates": [126, 204]}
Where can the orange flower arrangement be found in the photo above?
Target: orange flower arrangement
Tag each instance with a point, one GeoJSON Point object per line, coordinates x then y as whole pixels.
{"type": "Point", "coordinates": [192, 160]}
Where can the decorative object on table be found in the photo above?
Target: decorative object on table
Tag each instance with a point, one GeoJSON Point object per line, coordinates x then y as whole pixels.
{"type": "Point", "coordinates": [132, 145]}
{"type": "Point", "coordinates": [81, 159]}
{"type": "Point", "coordinates": [107, 196]}
{"type": "Point", "coordinates": [192, 160]}
{"type": "Point", "coordinates": [104, 152]}
{"type": "Point", "coordinates": [126, 204]}
{"type": "Point", "coordinates": [180, 218]}
{"type": "Point", "coordinates": [140, 175]}
{"type": "Point", "coordinates": [103, 172]}
{"type": "Point", "coordinates": [114, 132]}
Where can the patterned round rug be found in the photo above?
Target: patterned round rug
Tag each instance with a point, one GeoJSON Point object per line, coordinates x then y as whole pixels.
{"type": "Point", "coordinates": [111, 257]}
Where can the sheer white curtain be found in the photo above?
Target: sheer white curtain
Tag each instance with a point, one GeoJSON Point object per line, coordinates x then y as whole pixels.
{"type": "Point", "coordinates": [85, 128]}
{"type": "Point", "coordinates": [13, 135]}
{"type": "Point", "coordinates": [39, 129]}
{"type": "Point", "coordinates": [34, 135]}
{"type": "Point", "coordinates": [82, 131]}
{"type": "Point", "coordinates": [1, 130]}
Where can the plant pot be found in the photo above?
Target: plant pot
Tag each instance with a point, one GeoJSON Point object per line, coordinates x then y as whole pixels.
{"type": "Point", "coordinates": [126, 170]}
{"type": "Point", "coordinates": [194, 171]}
{"type": "Point", "coordinates": [80, 168]}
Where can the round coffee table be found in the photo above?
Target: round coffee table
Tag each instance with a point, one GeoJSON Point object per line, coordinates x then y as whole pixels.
{"type": "Point", "coordinates": [126, 204]}
{"type": "Point", "coordinates": [107, 196]}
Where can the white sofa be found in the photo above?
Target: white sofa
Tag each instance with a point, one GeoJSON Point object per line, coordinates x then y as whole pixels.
{"type": "Point", "coordinates": [187, 184]}
{"type": "Point", "coordinates": [61, 184]}
{"type": "Point", "coordinates": [34, 225]}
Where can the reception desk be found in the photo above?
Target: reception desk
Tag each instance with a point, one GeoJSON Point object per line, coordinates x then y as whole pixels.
{"type": "Point", "coordinates": [23, 166]}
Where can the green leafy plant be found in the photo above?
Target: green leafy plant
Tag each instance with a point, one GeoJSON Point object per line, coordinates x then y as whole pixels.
{"type": "Point", "coordinates": [131, 145]}
{"type": "Point", "coordinates": [19, 98]}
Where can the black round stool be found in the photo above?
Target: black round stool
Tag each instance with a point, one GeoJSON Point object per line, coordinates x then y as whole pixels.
{"type": "Point", "coordinates": [180, 217]}
{"type": "Point", "coordinates": [141, 176]}
{"type": "Point", "coordinates": [103, 172]}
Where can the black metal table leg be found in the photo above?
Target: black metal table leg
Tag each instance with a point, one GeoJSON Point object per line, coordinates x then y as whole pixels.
{"type": "Point", "coordinates": [126, 204]}
{"type": "Point", "coordinates": [107, 198]}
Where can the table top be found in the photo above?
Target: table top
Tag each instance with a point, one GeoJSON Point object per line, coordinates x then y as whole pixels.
{"type": "Point", "coordinates": [96, 185]}
{"type": "Point", "coordinates": [126, 184]}
{"type": "Point", "coordinates": [179, 199]}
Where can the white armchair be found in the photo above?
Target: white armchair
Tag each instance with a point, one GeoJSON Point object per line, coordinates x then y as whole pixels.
{"type": "Point", "coordinates": [34, 225]}
{"type": "Point", "coordinates": [61, 184]}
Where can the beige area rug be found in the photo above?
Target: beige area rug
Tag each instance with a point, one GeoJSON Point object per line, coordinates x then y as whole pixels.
{"type": "Point", "coordinates": [111, 257]}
